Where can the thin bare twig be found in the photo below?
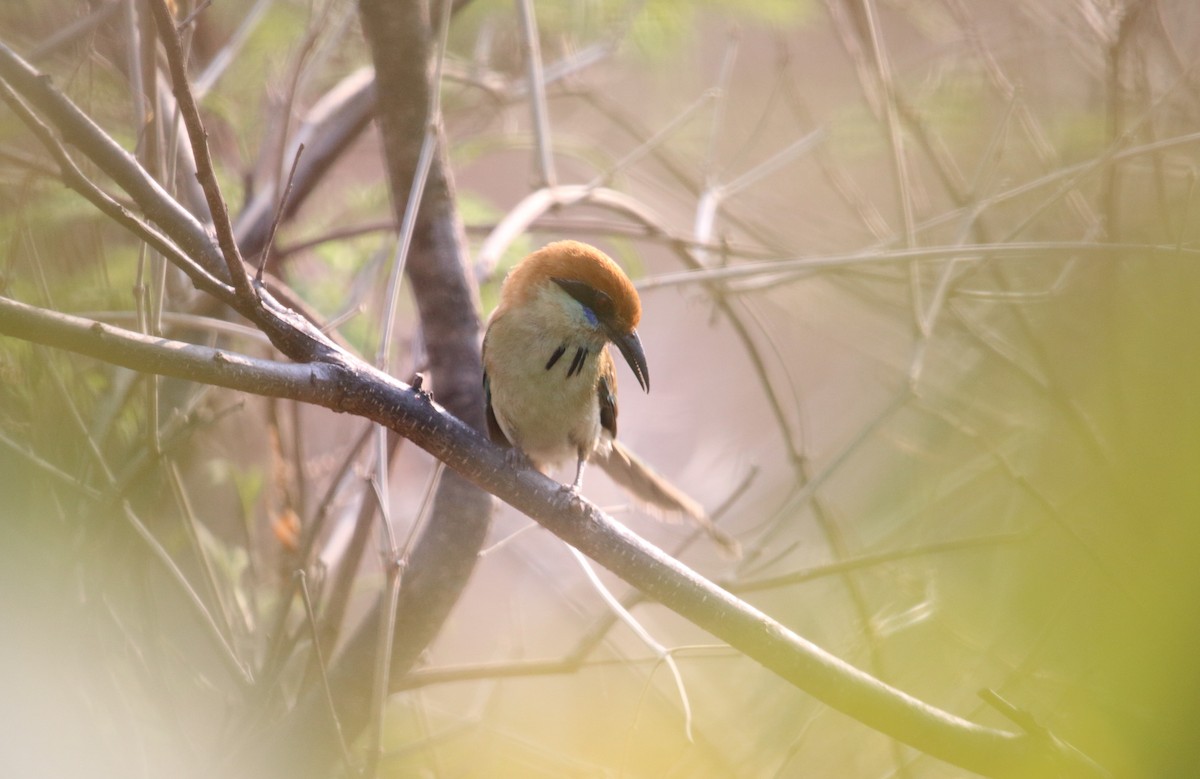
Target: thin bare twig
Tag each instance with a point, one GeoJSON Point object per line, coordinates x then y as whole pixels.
{"type": "Point", "coordinates": [774, 272]}
{"type": "Point", "coordinates": [287, 191]}
{"type": "Point", "coordinates": [227, 54]}
{"type": "Point", "coordinates": [199, 141]}
{"type": "Point", "coordinates": [190, 525]}
{"type": "Point", "coordinates": [537, 81]}
{"type": "Point", "coordinates": [79, 27]}
{"type": "Point", "coordinates": [643, 635]}
{"type": "Point", "coordinates": [200, 8]}
{"type": "Point", "coordinates": [319, 658]}
{"type": "Point", "coordinates": [860, 562]}
{"type": "Point", "coordinates": [394, 562]}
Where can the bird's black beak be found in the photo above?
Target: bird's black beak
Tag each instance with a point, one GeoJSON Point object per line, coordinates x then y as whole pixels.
{"type": "Point", "coordinates": [631, 349]}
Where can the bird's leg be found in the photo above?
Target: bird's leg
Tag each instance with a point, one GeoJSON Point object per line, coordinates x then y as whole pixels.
{"type": "Point", "coordinates": [578, 483]}
{"type": "Point", "coordinates": [571, 492]}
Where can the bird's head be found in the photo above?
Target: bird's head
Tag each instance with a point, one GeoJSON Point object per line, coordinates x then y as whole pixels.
{"type": "Point", "coordinates": [608, 300]}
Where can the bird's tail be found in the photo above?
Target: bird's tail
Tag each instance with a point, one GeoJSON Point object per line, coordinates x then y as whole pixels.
{"type": "Point", "coordinates": [640, 480]}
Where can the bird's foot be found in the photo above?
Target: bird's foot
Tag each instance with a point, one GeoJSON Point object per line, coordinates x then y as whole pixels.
{"type": "Point", "coordinates": [570, 496]}
{"type": "Point", "coordinates": [517, 460]}
{"type": "Point", "coordinates": [418, 386]}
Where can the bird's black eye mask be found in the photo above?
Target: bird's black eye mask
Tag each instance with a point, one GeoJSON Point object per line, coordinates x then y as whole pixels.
{"type": "Point", "coordinates": [597, 305]}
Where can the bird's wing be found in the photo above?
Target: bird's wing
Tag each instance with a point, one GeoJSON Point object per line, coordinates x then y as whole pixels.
{"type": "Point", "coordinates": [493, 425]}
{"type": "Point", "coordinates": [606, 393]}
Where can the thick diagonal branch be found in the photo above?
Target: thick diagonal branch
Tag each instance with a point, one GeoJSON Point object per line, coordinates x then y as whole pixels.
{"type": "Point", "coordinates": [356, 388]}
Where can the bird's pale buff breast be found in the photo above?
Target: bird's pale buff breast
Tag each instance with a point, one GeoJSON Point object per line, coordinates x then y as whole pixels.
{"type": "Point", "coordinates": [532, 401]}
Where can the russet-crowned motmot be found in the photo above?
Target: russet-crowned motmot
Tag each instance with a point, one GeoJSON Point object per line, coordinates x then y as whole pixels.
{"type": "Point", "coordinates": [550, 383]}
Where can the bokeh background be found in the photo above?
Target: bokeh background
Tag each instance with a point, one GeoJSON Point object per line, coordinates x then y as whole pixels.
{"type": "Point", "coordinates": [939, 378]}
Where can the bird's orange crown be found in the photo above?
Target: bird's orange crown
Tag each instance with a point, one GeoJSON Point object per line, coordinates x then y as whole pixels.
{"type": "Point", "coordinates": [575, 261]}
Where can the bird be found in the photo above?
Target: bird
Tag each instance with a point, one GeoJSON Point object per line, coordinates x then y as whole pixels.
{"type": "Point", "coordinates": [550, 383]}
